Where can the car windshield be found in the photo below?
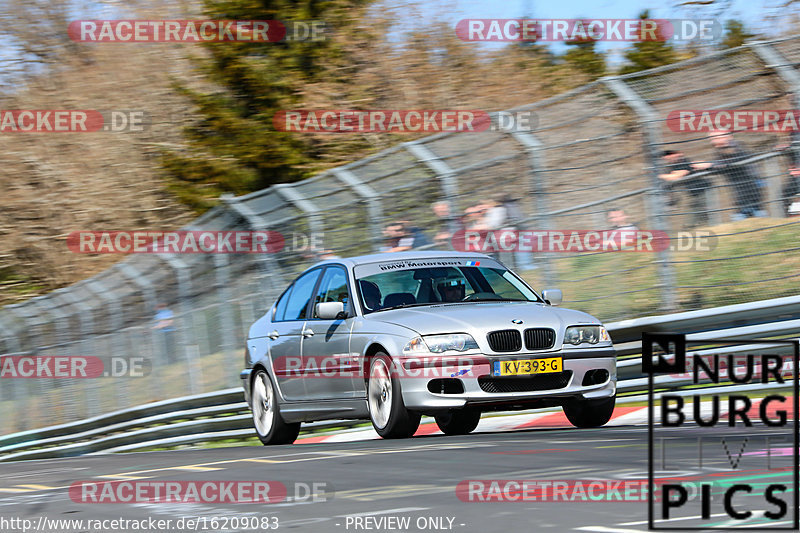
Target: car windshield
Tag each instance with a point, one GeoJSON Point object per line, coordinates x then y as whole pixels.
{"type": "Point", "coordinates": [427, 286]}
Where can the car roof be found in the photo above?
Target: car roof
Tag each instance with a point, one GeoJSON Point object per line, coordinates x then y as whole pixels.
{"type": "Point", "coordinates": [400, 256]}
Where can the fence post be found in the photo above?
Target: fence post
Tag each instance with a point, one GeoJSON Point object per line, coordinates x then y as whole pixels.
{"type": "Point", "coordinates": [315, 223]}
{"type": "Point", "coordinates": [19, 397]}
{"type": "Point", "coordinates": [445, 174]}
{"type": "Point", "coordinates": [86, 320]}
{"type": "Point", "coordinates": [774, 60]}
{"type": "Point", "coordinates": [536, 162]}
{"type": "Point", "coordinates": [62, 338]}
{"type": "Point", "coordinates": [183, 273]}
{"type": "Point", "coordinates": [96, 287]}
{"type": "Point", "coordinates": [266, 262]}
{"type": "Point", "coordinates": [222, 266]}
{"type": "Point", "coordinates": [149, 295]}
{"type": "Point", "coordinates": [649, 120]}
{"type": "Point", "coordinates": [373, 199]}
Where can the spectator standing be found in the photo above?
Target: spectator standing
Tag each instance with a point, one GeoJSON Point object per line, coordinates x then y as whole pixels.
{"type": "Point", "coordinates": [679, 174]}
{"type": "Point", "coordinates": [790, 193]}
{"type": "Point", "coordinates": [514, 216]}
{"type": "Point", "coordinates": [402, 236]}
{"type": "Point", "coordinates": [443, 237]}
{"type": "Point", "coordinates": [743, 178]}
{"type": "Point", "coordinates": [618, 219]}
{"type": "Point", "coordinates": [164, 326]}
{"type": "Point", "coordinates": [623, 228]}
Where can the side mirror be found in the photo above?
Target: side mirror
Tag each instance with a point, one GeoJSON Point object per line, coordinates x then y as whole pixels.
{"type": "Point", "coordinates": [552, 296]}
{"type": "Point", "coordinates": [330, 310]}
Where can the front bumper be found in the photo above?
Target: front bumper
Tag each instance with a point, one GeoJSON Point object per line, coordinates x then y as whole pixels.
{"type": "Point", "coordinates": [417, 396]}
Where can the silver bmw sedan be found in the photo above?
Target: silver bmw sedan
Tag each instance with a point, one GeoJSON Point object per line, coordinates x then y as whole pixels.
{"type": "Point", "coordinates": [390, 337]}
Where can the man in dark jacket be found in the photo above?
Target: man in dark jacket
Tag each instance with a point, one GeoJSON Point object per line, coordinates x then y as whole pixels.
{"type": "Point", "coordinates": [743, 178]}
{"type": "Point", "coordinates": [678, 173]}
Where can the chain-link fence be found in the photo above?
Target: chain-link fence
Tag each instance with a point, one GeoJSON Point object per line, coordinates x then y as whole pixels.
{"type": "Point", "coordinates": [595, 160]}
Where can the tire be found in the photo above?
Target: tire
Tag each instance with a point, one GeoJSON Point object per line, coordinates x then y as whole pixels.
{"type": "Point", "coordinates": [270, 426]}
{"type": "Point", "coordinates": [589, 413]}
{"type": "Point", "coordinates": [388, 414]}
{"type": "Point", "coordinates": [459, 422]}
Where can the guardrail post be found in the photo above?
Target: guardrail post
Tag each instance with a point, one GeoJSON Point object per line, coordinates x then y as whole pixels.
{"type": "Point", "coordinates": [373, 199]}
{"type": "Point", "coordinates": [536, 162]}
{"type": "Point", "coordinates": [445, 174]}
{"type": "Point", "coordinates": [649, 120]}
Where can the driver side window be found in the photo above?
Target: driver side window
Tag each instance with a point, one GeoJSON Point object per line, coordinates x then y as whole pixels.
{"type": "Point", "coordinates": [332, 288]}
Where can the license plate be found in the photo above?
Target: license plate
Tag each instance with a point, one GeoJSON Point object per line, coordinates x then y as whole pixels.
{"type": "Point", "coordinates": [523, 367]}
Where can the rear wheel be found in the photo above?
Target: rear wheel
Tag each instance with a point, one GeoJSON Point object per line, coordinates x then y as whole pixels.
{"type": "Point", "coordinates": [589, 413]}
{"type": "Point", "coordinates": [270, 426]}
{"type": "Point", "coordinates": [458, 422]}
{"type": "Point", "coordinates": [388, 413]}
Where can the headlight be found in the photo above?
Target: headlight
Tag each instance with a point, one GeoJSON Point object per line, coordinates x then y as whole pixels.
{"type": "Point", "coordinates": [586, 334]}
{"type": "Point", "coordinates": [458, 342]}
{"type": "Point", "coordinates": [415, 345]}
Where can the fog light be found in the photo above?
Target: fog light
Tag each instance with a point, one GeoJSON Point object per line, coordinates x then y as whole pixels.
{"type": "Point", "coordinates": [595, 377]}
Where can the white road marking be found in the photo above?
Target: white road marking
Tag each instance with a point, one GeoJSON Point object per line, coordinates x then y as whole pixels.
{"type": "Point", "coordinates": [31, 474]}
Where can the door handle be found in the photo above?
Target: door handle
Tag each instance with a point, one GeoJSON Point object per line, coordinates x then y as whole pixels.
{"type": "Point", "coordinates": [307, 333]}
{"type": "Point", "coordinates": [274, 335]}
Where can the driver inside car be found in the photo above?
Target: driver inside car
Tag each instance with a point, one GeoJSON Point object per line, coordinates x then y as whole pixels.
{"type": "Point", "coordinates": [372, 295]}
{"type": "Point", "coordinates": [451, 289]}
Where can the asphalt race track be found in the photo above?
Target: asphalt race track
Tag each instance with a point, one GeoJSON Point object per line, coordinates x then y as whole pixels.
{"type": "Point", "coordinates": [380, 480]}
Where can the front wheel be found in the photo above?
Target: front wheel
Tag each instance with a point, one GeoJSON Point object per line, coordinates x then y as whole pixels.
{"type": "Point", "coordinates": [589, 413]}
{"type": "Point", "coordinates": [269, 424]}
{"type": "Point", "coordinates": [388, 413]}
{"type": "Point", "coordinates": [458, 422]}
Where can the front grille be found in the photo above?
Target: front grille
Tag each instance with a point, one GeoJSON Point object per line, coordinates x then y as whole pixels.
{"type": "Point", "coordinates": [505, 340]}
{"type": "Point", "coordinates": [539, 338]}
{"type": "Point", "coordinates": [556, 380]}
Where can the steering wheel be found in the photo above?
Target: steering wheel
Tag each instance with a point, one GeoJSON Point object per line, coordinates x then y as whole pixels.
{"type": "Point", "coordinates": [478, 295]}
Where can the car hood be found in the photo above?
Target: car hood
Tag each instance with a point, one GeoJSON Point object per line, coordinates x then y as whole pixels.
{"type": "Point", "coordinates": [482, 317]}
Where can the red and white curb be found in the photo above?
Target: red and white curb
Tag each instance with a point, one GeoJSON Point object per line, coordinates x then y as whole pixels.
{"type": "Point", "coordinates": [624, 415]}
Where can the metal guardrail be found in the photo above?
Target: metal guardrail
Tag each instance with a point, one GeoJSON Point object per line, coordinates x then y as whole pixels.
{"type": "Point", "coordinates": [223, 415]}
